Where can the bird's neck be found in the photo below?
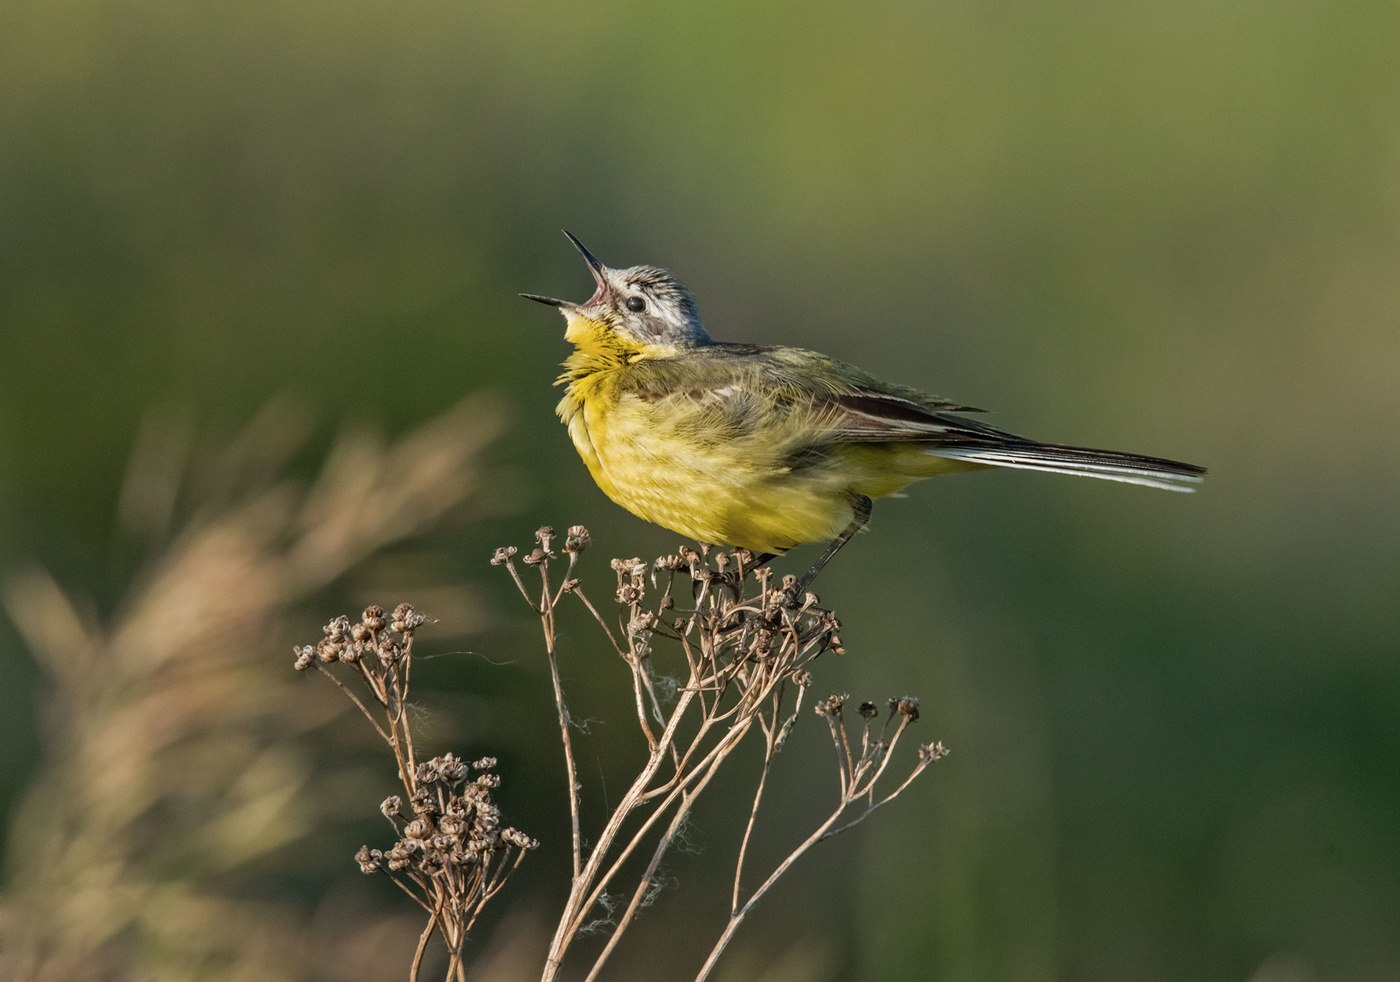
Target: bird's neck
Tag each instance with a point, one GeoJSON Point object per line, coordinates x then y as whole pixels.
{"type": "Point", "coordinates": [598, 354]}
{"type": "Point", "coordinates": [597, 348]}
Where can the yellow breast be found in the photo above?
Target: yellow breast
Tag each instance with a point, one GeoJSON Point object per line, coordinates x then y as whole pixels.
{"type": "Point", "coordinates": [656, 463]}
{"type": "Point", "coordinates": [674, 462]}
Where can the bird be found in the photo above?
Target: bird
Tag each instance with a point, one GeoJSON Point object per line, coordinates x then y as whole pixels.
{"type": "Point", "coordinates": [767, 447]}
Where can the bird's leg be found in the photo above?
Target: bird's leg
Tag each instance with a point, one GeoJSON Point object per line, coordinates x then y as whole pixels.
{"type": "Point", "coordinates": [734, 577]}
{"type": "Point", "coordinates": [862, 507]}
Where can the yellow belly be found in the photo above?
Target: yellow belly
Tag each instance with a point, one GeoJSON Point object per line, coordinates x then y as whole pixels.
{"type": "Point", "coordinates": [738, 492]}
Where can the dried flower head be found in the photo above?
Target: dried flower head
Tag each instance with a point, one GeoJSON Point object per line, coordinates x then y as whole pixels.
{"type": "Point", "coordinates": [577, 540]}
{"type": "Point", "coordinates": [832, 704]}
{"type": "Point", "coordinates": [373, 617]}
{"type": "Point", "coordinates": [929, 752]}
{"type": "Point", "coordinates": [906, 706]}
{"type": "Point", "coordinates": [370, 860]}
{"type": "Point", "coordinates": [451, 854]}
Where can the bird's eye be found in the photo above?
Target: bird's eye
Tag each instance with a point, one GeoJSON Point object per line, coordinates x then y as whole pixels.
{"type": "Point", "coordinates": [636, 304]}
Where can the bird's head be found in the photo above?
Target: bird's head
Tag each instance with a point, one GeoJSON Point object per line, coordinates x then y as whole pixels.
{"type": "Point", "coordinates": [640, 306]}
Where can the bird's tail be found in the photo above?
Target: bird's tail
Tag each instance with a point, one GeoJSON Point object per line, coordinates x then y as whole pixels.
{"type": "Point", "coordinates": [1107, 465]}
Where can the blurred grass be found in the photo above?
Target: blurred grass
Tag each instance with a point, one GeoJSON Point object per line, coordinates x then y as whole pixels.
{"type": "Point", "coordinates": [1171, 229]}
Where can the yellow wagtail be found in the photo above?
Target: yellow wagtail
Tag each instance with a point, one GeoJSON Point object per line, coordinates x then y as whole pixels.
{"type": "Point", "coordinates": [767, 447]}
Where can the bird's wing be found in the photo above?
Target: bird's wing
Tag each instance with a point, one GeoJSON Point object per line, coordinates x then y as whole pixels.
{"type": "Point", "coordinates": [805, 404]}
{"type": "Point", "coordinates": [735, 388]}
{"type": "Point", "coordinates": [868, 415]}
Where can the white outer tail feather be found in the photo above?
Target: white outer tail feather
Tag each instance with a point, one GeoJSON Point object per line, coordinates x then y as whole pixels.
{"type": "Point", "coordinates": [1061, 460]}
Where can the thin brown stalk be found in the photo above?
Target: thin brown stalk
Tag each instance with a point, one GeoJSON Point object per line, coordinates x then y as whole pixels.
{"type": "Point", "coordinates": [768, 750]}
{"type": "Point", "coordinates": [423, 939]}
{"type": "Point", "coordinates": [570, 768]}
{"type": "Point", "coordinates": [741, 643]}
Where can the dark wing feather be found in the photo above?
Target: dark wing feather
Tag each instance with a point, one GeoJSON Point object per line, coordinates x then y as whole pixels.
{"type": "Point", "coordinates": [880, 417]}
{"type": "Point", "coordinates": [870, 416]}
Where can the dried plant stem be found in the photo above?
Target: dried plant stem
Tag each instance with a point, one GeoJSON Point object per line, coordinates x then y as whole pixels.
{"type": "Point", "coordinates": [546, 611]}
{"type": "Point", "coordinates": [687, 801]}
{"type": "Point", "coordinates": [416, 965]}
{"type": "Point", "coordinates": [769, 748]}
{"type": "Point", "coordinates": [737, 916]}
{"type": "Point", "coordinates": [452, 857]}
{"type": "Point", "coordinates": [681, 792]}
{"type": "Point", "coordinates": [746, 645]}
{"type": "Point", "coordinates": [581, 898]}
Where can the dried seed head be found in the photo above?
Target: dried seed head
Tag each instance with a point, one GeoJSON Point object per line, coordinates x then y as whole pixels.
{"type": "Point", "coordinates": [406, 619]}
{"type": "Point", "coordinates": [929, 752]}
{"type": "Point", "coordinates": [419, 828]}
{"type": "Point", "coordinates": [451, 767]}
{"type": "Point", "coordinates": [370, 860]}
{"type": "Point", "coordinates": [423, 803]}
{"type": "Point", "coordinates": [802, 678]}
{"type": "Point", "coordinates": [536, 556]}
{"type": "Point", "coordinates": [869, 710]}
{"type": "Point", "coordinates": [503, 555]}
{"type": "Point", "coordinates": [484, 764]}
{"type": "Point", "coordinates": [517, 838]}
{"type": "Point", "coordinates": [306, 657]}
{"type": "Point", "coordinates": [762, 644]}
{"type": "Point", "coordinates": [399, 856]}
{"type": "Point", "coordinates": [906, 706]}
{"type": "Point", "coordinates": [831, 705]}
{"type": "Point", "coordinates": [373, 617]}
{"type": "Point", "coordinates": [391, 806]}
{"type": "Point", "coordinates": [390, 652]}
{"type": "Point", "coordinates": [577, 540]}
{"type": "Point", "coordinates": [544, 535]}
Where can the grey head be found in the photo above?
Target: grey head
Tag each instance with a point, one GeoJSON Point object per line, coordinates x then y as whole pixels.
{"type": "Point", "coordinates": [643, 304]}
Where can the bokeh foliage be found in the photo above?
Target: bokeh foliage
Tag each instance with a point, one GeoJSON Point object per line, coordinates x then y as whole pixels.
{"type": "Point", "coordinates": [1172, 229]}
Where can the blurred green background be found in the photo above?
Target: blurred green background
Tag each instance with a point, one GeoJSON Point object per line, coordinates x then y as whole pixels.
{"type": "Point", "coordinates": [1173, 229]}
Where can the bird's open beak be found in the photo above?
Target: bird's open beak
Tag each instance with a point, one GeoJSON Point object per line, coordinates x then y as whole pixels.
{"type": "Point", "coordinates": [594, 266]}
{"type": "Point", "coordinates": [546, 300]}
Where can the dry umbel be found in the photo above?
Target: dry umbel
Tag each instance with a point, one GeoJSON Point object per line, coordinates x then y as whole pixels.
{"type": "Point", "coordinates": [452, 856]}
{"type": "Point", "coordinates": [746, 645]}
